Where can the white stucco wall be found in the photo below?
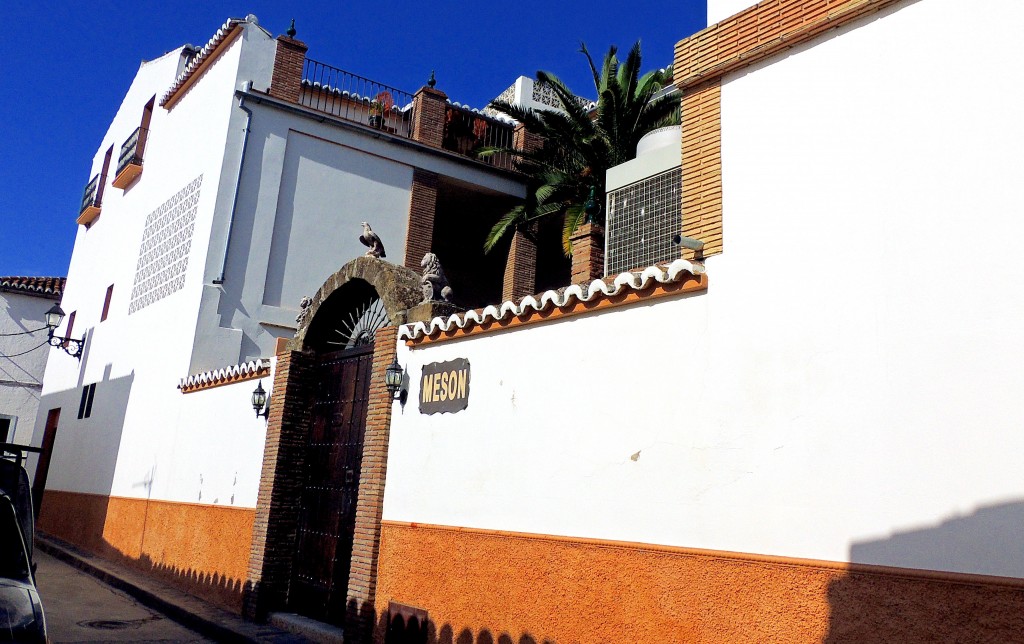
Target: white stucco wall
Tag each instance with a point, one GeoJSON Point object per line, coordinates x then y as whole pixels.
{"type": "Point", "coordinates": [21, 375]}
{"type": "Point", "coordinates": [847, 389]}
{"type": "Point", "coordinates": [140, 425]}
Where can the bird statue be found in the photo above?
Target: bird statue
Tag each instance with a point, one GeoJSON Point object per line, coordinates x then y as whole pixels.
{"type": "Point", "coordinates": [371, 241]}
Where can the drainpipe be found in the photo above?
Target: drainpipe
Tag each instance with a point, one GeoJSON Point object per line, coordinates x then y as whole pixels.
{"type": "Point", "coordinates": [238, 182]}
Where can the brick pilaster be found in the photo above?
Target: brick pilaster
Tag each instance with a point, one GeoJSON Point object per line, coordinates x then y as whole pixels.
{"type": "Point", "coordinates": [274, 529]}
{"type": "Point", "coordinates": [286, 81]}
{"type": "Point", "coordinates": [524, 140]}
{"type": "Point", "coordinates": [422, 209]}
{"type": "Point", "coordinates": [587, 253]}
{"type": "Point", "coordinates": [521, 266]}
{"type": "Point", "coordinates": [362, 584]}
{"type": "Point", "coordinates": [429, 106]}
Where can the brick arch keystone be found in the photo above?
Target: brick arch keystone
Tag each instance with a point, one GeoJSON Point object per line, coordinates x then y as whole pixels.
{"type": "Point", "coordinates": [398, 287]}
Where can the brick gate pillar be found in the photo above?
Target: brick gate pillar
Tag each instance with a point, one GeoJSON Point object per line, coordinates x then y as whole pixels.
{"type": "Point", "coordinates": [362, 584]}
{"type": "Point", "coordinates": [274, 529]}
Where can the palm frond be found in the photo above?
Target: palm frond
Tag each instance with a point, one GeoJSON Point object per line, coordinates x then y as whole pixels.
{"type": "Point", "coordinates": [497, 232]}
{"type": "Point", "coordinates": [574, 217]}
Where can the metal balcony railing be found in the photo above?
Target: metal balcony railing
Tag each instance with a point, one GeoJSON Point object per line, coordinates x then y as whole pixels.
{"type": "Point", "coordinates": [466, 132]}
{"type": "Point", "coordinates": [354, 98]}
{"type": "Point", "coordinates": [91, 196]}
{"type": "Point", "coordinates": [133, 149]}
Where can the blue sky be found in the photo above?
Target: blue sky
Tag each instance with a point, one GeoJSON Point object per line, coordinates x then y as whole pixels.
{"type": "Point", "coordinates": [66, 67]}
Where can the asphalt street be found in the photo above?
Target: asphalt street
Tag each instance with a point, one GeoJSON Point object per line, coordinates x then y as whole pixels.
{"type": "Point", "coordinates": [81, 608]}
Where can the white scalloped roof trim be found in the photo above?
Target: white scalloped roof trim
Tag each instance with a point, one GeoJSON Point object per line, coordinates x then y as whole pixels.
{"type": "Point", "coordinates": [355, 96]}
{"type": "Point", "coordinates": [225, 373]}
{"type": "Point", "coordinates": [493, 115]}
{"type": "Point", "coordinates": [200, 57]}
{"type": "Point", "coordinates": [598, 289]}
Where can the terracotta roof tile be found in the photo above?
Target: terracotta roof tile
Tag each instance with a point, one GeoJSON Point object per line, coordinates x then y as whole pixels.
{"type": "Point", "coordinates": [44, 285]}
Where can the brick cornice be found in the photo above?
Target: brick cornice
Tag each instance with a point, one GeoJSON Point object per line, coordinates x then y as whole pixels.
{"type": "Point", "coordinates": [759, 32]}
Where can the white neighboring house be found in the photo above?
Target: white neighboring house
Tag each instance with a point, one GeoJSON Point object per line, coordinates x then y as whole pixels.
{"type": "Point", "coordinates": [231, 183]}
{"type": "Point", "coordinates": [23, 351]}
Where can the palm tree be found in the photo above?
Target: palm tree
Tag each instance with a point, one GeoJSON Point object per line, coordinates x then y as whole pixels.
{"type": "Point", "coordinates": [582, 140]}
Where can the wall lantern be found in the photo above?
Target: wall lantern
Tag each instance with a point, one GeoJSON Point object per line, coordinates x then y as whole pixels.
{"type": "Point", "coordinates": [70, 346]}
{"type": "Point", "coordinates": [259, 401]}
{"type": "Point", "coordinates": [393, 377]}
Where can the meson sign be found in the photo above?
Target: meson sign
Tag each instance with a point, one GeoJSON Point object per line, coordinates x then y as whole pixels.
{"type": "Point", "coordinates": [444, 386]}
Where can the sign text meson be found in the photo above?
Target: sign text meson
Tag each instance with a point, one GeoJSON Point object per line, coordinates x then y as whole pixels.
{"type": "Point", "coordinates": [444, 386]}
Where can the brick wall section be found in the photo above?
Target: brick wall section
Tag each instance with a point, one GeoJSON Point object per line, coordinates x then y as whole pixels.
{"type": "Point", "coordinates": [520, 277]}
{"type": "Point", "coordinates": [274, 529]}
{"type": "Point", "coordinates": [702, 167]}
{"type": "Point", "coordinates": [521, 266]}
{"type": "Point", "coordinates": [286, 81]}
{"type": "Point", "coordinates": [587, 253]}
{"type": "Point", "coordinates": [422, 209]}
{"type": "Point", "coordinates": [700, 61]}
{"type": "Point", "coordinates": [759, 32]}
{"type": "Point", "coordinates": [525, 140]}
{"type": "Point", "coordinates": [429, 106]}
{"type": "Point", "coordinates": [362, 585]}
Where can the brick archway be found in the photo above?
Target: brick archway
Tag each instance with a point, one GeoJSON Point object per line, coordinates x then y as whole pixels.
{"type": "Point", "coordinates": [274, 529]}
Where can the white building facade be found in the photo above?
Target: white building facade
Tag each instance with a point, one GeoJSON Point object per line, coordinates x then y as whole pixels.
{"type": "Point", "coordinates": [223, 192]}
{"type": "Point", "coordinates": [810, 433]}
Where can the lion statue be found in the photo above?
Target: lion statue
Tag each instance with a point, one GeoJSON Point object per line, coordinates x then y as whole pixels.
{"type": "Point", "coordinates": [435, 284]}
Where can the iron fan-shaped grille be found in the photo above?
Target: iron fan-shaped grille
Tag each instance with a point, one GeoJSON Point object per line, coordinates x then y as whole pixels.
{"type": "Point", "coordinates": [359, 325]}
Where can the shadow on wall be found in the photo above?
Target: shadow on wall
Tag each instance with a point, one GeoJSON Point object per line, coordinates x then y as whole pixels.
{"type": "Point", "coordinates": [932, 608]}
{"type": "Point", "coordinates": [405, 627]}
{"type": "Point", "coordinates": [213, 587]}
{"type": "Point", "coordinates": [88, 445]}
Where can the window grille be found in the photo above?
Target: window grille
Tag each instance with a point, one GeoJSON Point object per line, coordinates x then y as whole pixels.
{"type": "Point", "coordinates": [642, 218]}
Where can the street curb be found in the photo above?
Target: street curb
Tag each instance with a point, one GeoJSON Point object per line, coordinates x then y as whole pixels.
{"type": "Point", "coordinates": [188, 610]}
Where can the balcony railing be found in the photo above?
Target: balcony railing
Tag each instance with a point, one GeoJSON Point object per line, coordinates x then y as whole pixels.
{"type": "Point", "coordinates": [354, 98]}
{"type": "Point", "coordinates": [466, 132]}
{"type": "Point", "coordinates": [129, 162]}
{"type": "Point", "coordinates": [91, 201]}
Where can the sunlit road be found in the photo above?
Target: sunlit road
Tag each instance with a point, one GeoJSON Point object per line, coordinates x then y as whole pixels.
{"type": "Point", "coordinates": [81, 608]}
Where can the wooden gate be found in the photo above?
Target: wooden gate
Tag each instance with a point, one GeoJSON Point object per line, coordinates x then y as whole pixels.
{"type": "Point", "coordinates": [331, 485]}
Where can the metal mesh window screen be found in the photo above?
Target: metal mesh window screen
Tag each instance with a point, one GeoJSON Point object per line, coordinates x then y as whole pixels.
{"type": "Point", "coordinates": [642, 218]}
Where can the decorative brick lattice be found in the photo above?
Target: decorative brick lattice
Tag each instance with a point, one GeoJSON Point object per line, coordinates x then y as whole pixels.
{"type": "Point", "coordinates": [164, 251]}
{"type": "Point", "coordinates": [642, 218]}
{"type": "Point", "coordinates": [508, 95]}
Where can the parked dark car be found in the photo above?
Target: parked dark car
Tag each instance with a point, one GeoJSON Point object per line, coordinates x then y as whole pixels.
{"type": "Point", "coordinates": [21, 612]}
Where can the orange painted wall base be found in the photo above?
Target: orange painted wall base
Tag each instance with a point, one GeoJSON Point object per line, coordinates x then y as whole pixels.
{"type": "Point", "coordinates": [201, 549]}
{"type": "Point", "coordinates": [481, 586]}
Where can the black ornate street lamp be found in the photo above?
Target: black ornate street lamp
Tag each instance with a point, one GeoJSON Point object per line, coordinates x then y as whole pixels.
{"type": "Point", "coordinates": [70, 346]}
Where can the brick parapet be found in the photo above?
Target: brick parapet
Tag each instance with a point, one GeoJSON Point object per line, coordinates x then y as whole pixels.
{"type": "Point", "coordinates": [587, 253]}
{"type": "Point", "coordinates": [429, 107]}
{"type": "Point", "coordinates": [370, 502]}
{"type": "Point", "coordinates": [759, 32]}
{"type": "Point", "coordinates": [422, 210]}
{"type": "Point", "coordinates": [286, 80]}
{"type": "Point", "coordinates": [701, 161]}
